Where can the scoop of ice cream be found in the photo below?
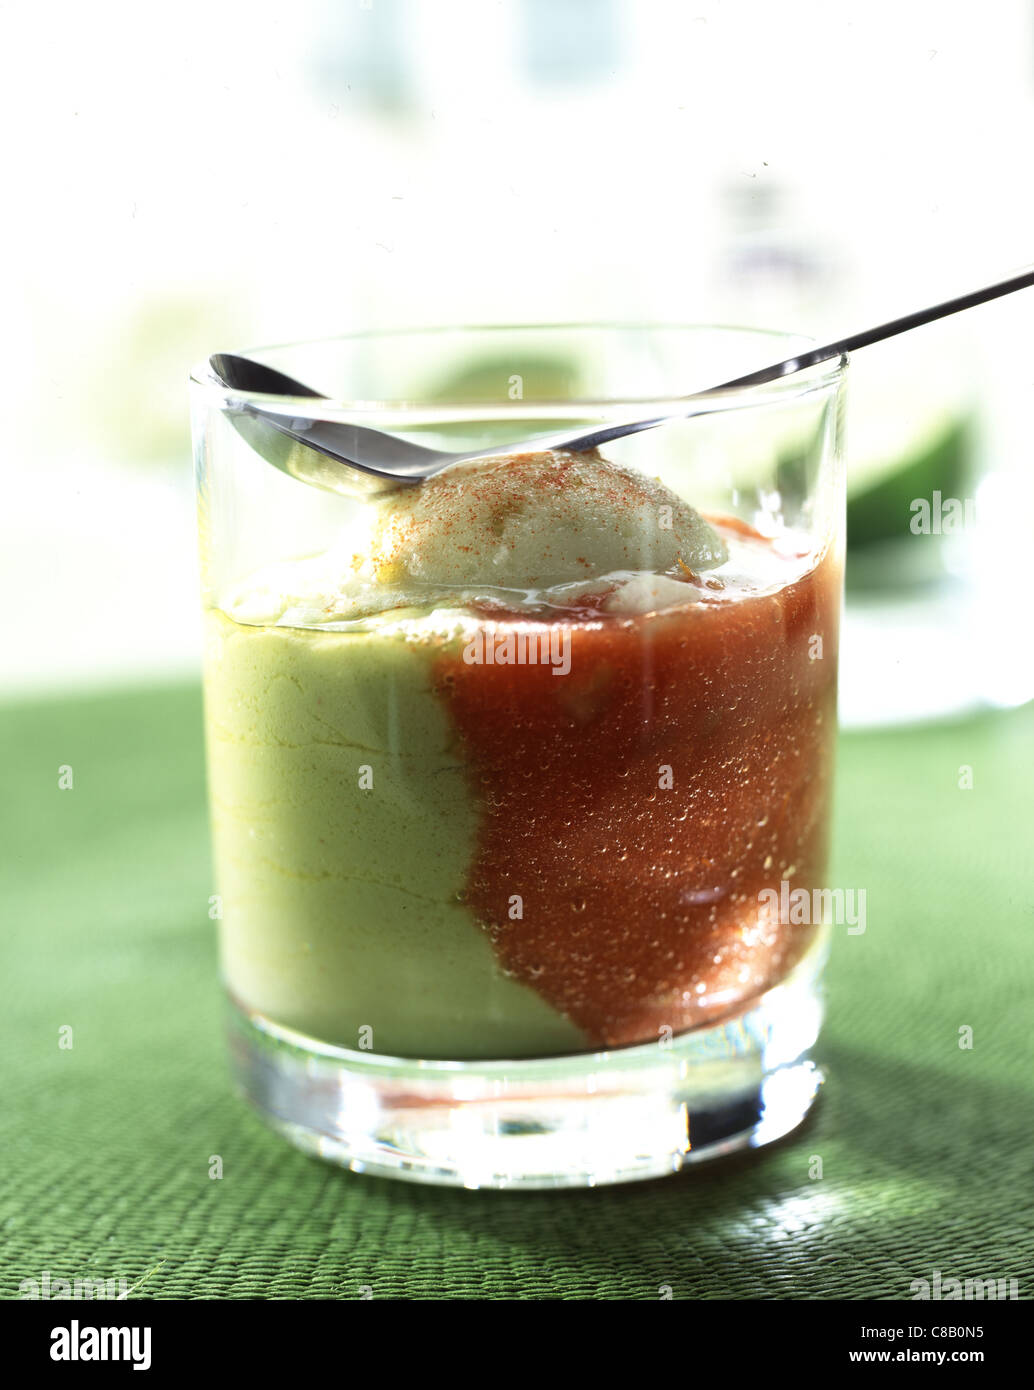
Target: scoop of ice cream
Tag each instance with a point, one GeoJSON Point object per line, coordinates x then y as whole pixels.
{"type": "Point", "coordinates": [528, 531]}
{"type": "Point", "coordinates": [535, 520]}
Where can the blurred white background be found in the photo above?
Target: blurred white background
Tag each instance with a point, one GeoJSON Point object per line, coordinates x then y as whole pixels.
{"type": "Point", "coordinates": [182, 178]}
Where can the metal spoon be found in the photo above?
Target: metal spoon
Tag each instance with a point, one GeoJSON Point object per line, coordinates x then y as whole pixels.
{"type": "Point", "coordinates": [359, 460]}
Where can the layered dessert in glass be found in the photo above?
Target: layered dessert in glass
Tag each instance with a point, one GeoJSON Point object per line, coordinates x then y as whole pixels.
{"type": "Point", "coordinates": [502, 774]}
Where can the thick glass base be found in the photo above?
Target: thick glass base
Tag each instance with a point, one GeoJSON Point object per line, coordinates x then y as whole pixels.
{"type": "Point", "coordinates": [577, 1121]}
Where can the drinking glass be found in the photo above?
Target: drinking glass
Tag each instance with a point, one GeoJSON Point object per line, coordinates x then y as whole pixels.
{"type": "Point", "coordinates": [503, 893]}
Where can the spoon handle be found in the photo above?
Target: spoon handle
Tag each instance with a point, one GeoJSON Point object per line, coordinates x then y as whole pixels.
{"type": "Point", "coordinates": [592, 439]}
{"type": "Point", "coordinates": [1021, 280]}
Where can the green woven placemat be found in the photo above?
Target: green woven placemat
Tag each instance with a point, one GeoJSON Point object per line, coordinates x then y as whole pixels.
{"type": "Point", "coordinates": [925, 1147]}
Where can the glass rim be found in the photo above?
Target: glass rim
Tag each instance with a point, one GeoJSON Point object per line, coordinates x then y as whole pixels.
{"type": "Point", "coordinates": [826, 374]}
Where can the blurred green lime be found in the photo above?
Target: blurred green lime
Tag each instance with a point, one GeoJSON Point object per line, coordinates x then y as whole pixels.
{"type": "Point", "coordinates": [135, 388]}
{"type": "Point", "coordinates": [534, 377]}
{"type": "Point", "coordinates": [881, 492]}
